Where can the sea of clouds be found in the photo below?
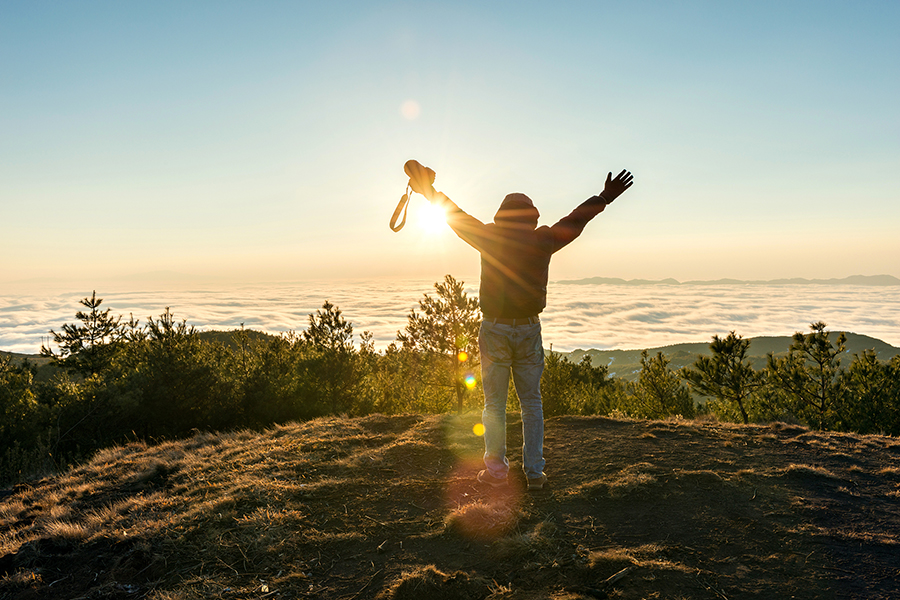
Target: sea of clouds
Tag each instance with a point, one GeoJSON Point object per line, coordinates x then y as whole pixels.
{"type": "Point", "coordinates": [577, 316]}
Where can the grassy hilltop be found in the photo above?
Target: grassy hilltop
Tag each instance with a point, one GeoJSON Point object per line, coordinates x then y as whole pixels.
{"type": "Point", "coordinates": [387, 507]}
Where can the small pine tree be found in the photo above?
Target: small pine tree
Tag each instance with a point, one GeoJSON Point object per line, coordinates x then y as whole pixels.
{"type": "Point", "coordinates": [871, 395]}
{"type": "Point", "coordinates": [658, 392]}
{"type": "Point", "coordinates": [17, 401]}
{"type": "Point", "coordinates": [329, 330]}
{"type": "Point", "coordinates": [569, 388]}
{"type": "Point", "coordinates": [725, 375]}
{"type": "Point", "coordinates": [811, 374]}
{"type": "Point", "coordinates": [447, 331]}
{"type": "Point", "coordinates": [332, 366]}
{"type": "Point", "coordinates": [87, 349]}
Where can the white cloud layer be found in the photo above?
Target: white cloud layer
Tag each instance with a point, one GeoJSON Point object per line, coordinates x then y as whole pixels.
{"type": "Point", "coordinates": [577, 316]}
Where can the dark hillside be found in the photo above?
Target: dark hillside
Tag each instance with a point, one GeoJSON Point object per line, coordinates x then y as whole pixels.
{"type": "Point", "coordinates": [387, 507]}
{"type": "Point", "coordinates": [626, 364]}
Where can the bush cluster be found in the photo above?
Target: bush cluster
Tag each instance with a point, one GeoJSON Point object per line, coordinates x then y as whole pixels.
{"type": "Point", "coordinates": [809, 385]}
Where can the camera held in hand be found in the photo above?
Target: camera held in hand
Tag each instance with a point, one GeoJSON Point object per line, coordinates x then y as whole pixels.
{"type": "Point", "coordinates": [421, 181]}
{"type": "Point", "coordinates": [421, 178]}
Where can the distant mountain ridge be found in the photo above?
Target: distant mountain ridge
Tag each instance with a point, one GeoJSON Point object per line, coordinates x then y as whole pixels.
{"type": "Point", "coordinates": [871, 280]}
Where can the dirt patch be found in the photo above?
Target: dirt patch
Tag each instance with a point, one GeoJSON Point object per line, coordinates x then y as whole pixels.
{"type": "Point", "coordinates": [388, 507]}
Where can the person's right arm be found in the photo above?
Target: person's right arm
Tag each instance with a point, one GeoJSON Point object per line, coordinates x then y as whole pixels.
{"type": "Point", "coordinates": [467, 227]}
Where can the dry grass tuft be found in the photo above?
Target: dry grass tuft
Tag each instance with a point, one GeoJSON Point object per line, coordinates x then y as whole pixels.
{"type": "Point", "coordinates": [115, 454]}
{"type": "Point", "coordinates": [428, 582]}
{"type": "Point", "coordinates": [11, 510]}
{"type": "Point", "coordinates": [700, 478]}
{"type": "Point", "coordinates": [633, 478]}
{"type": "Point", "coordinates": [482, 521]}
{"type": "Point", "coordinates": [67, 530]}
{"type": "Point", "coordinates": [610, 559]}
{"type": "Point", "coordinates": [649, 556]}
{"type": "Point", "coordinates": [797, 470]}
{"type": "Point", "coordinates": [536, 544]}
{"type": "Point", "coordinates": [291, 579]}
{"type": "Point", "coordinates": [26, 579]}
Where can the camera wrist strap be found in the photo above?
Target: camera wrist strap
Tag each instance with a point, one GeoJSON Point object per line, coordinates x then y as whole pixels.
{"type": "Point", "coordinates": [403, 206]}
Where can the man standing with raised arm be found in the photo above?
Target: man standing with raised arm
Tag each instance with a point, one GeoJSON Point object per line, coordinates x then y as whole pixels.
{"type": "Point", "coordinates": [515, 260]}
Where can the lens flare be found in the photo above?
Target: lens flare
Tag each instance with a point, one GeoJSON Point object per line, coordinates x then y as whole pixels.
{"type": "Point", "coordinates": [463, 356]}
{"type": "Point", "coordinates": [410, 110]}
{"type": "Point", "coordinates": [470, 381]}
{"type": "Point", "coordinates": [478, 429]}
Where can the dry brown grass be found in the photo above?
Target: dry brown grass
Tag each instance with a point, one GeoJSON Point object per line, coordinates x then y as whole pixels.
{"type": "Point", "coordinates": [634, 478]}
{"type": "Point", "coordinates": [540, 545]}
{"type": "Point", "coordinates": [387, 506]}
{"type": "Point", "coordinates": [649, 556]}
{"type": "Point", "coordinates": [482, 521]}
{"type": "Point", "coordinates": [802, 470]}
{"type": "Point", "coordinates": [430, 583]}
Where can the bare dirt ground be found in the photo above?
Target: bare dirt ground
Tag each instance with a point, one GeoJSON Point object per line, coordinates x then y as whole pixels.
{"type": "Point", "coordinates": [388, 507]}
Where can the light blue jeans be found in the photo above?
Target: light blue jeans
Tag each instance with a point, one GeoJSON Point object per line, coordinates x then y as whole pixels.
{"type": "Point", "coordinates": [516, 348]}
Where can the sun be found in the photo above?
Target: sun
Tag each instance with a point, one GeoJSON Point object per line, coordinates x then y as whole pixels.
{"type": "Point", "coordinates": [431, 219]}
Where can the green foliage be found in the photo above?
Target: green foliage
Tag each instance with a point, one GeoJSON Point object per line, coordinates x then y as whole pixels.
{"type": "Point", "coordinates": [659, 392]}
{"type": "Point", "coordinates": [16, 396]}
{"type": "Point", "coordinates": [810, 375]}
{"type": "Point", "coordinates": [173, 382]}
{"type": "Point", "coordinates": [273, 387]}
{"type": "Point", "coordinates": [448, 322]}
{"type": "Point", "coordinates": [396, 383]}
{"type": "Point", "coordinates": [568, 388]}
{"type": "Point", "coordinates": [21, 419]}
{"type": "Point", "coordinates": [331, 368]}
{"type": "Point", "coordinates": [726, 375]}
{"type": "Point", "coordinates": [328, 330]}
{"type": "Point", "coordinates": [871, 395]}
{"type": "Point", "coordinates": [88, 348]}
{"type": "Point", "coordinates": [446, 332]}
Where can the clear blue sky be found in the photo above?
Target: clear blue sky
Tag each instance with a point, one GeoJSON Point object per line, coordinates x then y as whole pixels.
{"type": "Point", "coordinates": [265, 140]}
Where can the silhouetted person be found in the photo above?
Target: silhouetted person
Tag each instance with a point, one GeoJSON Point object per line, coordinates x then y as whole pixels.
{"type": "Point", "coordinates": [515, 259]}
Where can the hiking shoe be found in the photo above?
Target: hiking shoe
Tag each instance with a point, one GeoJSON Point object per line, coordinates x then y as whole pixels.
{"type": "Point", "coordinates": [537, 483]}
{"type": "Point", "coordinates": [485, 477]}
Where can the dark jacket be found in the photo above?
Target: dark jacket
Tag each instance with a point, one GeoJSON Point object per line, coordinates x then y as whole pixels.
{"type": "Point", "coordinates": [515, 253]}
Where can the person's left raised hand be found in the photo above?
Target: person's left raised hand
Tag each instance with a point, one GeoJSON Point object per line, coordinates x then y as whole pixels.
{"type": "Point", "coordinates": [616, 187]}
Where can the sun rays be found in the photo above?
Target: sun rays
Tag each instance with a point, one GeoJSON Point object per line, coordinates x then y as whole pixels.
{"type": "Point", "coordinates": [430, 219]}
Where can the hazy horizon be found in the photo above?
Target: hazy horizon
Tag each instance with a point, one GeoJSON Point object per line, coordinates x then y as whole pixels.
{"type": "Point", "coordinates": [176, 279]}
